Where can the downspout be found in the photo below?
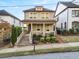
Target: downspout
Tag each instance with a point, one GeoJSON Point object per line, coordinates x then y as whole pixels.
{"type": "Point", "coordinates": [67, 17]}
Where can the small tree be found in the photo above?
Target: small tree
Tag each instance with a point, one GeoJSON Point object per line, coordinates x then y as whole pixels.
{"type": "Point", "coordinates": [13, 35]}
{"type": "Point", "coordinates": [16, 31]}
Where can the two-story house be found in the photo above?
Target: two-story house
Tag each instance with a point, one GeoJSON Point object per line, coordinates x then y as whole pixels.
{"type": "Point", "coordinates": [4, 15]}
{"type": "Point", "coordinates": [39, 20]}
{"type": "Point", "coordinates": [67, 14]}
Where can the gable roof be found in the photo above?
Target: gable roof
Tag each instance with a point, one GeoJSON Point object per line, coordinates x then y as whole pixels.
{"type": "Point", "coordinates": [70, 4]}
{"type": "Point", "coordinates": [3, 12]}
{"type": "Point", "coordinates": [34, 10]}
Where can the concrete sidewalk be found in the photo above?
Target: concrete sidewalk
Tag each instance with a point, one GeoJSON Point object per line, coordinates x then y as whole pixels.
{"type": "Point", "coordinates": [38, 47]}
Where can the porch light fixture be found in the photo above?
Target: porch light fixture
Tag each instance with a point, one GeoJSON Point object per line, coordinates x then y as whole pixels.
{"type": "Point", "coordinates": [25, 26]}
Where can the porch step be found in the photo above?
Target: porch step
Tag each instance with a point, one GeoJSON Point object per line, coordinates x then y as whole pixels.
{"type": "Point", "coordinates": [24, 41]}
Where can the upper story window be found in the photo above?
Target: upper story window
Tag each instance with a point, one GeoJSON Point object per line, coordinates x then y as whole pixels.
{"type": "Point", "coordinates": [30, 17]}
{"type": "Point", "coordinates": [75, 13]}
{"type": "Point", "coordinates": [39, 8]}
{"type": "Point", "coordinates": [14, 20]}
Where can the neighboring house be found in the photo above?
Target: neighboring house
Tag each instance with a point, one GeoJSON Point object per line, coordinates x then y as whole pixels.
{"type": "Point", "coordinates": [39, 20]}
{"type": "Point", "coordinates": [5, 31]}
{"type": "Point", "coordinates": [67, 14]}
{"type": "Point", "coordinates": [4, 15]}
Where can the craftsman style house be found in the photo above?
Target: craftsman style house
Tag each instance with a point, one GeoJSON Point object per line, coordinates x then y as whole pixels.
{"type": "Point", "coordinates": [39, 20]}
{"type": "Point", "coordinates": [12, 20]}
{"type": "Point", "coordinates": [67, 14]}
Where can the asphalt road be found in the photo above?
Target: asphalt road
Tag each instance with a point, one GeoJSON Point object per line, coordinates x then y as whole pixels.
{"type": "Point", "coordinates": [66, 55]}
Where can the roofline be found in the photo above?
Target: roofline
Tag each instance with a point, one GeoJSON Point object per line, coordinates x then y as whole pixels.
{"type": "Point", "coordinates": [65, 9]}
{"type": "Point", "coordinates": [39, 11]}
{"type": "Point", "coordinates": [12, 16]}
{"type": "Point", "coordinates": [61, 12]}
{"type": "Point", "coordinates": [56, 7]}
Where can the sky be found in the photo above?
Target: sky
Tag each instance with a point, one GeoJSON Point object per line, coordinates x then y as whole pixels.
{"type": "Point", "coordinates": [18, 11]}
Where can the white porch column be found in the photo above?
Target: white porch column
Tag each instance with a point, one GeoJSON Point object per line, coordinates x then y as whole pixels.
{"type": "Point", "coordinates": [55, 29]}
{"type": "Point", "coordinates": [30, 35]}
{"type": "Point", "coordinates": [44, 29]}
{"type": "Point", "coordinates": [31, 27]}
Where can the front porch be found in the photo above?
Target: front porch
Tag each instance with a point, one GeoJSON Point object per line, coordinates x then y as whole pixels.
{"type": "Point", "coordinates": [41, 28]}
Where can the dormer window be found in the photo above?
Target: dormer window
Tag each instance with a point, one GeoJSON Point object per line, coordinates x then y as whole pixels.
{"type": "Point", "coordinates": [39, 8]}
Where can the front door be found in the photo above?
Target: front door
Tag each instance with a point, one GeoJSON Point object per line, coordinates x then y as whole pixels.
{"type": "Point", "coordinates": [29, 28]}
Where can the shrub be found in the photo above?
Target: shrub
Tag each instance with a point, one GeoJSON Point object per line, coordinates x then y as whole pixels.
{"type": "Point", "coordinates": [47, 39]}
{"type": "Point", "coordinates": [42, 39]}
{"type": "Point", "coordinates": [51, 34]}
{"type": "Point", "coordinates": [71, 31]}
{"type": "Point", "coordinates": [36, 37]}
{"type": "Point", "coordinates": [52, 39]}
{"type": "Point", "coordinates": [16, 31]}
{"type": "Point", "coordinates": [77, 30]}
{"type": "Point", "coordinates": [65, 32]}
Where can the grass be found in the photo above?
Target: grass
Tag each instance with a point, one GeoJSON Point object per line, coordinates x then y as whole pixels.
{"type": "Point", "coordinates": [70, 38]}
{"type": "Point", "coordinates": [41, 51]}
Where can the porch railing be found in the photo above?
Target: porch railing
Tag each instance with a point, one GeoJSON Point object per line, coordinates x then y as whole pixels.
{"type": "Point", "coordinates": [19, 38]}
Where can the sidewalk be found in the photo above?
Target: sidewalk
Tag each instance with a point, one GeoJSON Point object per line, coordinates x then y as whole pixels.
{"type": "Point", "coordinates": [38, 47]}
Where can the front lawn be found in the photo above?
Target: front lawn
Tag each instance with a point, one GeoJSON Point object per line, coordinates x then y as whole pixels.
{"type": "Point", "coordinates": [70, 38]}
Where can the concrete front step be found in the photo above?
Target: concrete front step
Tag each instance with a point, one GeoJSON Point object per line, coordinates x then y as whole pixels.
{"type": "Point", "coordinates": [24, 41]}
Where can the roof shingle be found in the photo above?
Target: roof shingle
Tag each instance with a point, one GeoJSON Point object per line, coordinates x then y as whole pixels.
{"type": "Point", "coordinates": [70, 4]}
{"type": "Point", "coordinates": [34, 10]}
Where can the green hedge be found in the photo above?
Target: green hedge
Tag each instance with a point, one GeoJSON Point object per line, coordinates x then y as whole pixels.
{"type": "Point", "coordinates": [16, 31]}
{"type": "Point", "coordinates": [50, 38]}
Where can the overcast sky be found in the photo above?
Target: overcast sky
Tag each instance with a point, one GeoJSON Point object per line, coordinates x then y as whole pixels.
{"type": "Point", "coordinates": [18, 11]}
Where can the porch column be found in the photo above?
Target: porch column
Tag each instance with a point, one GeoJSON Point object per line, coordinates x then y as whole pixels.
{"type": "Point", "coordinates": [31, 27]}
{"type": "Point", "coordinates": [55, 29]}
{"type": "Point", "coordinates": [44, 29]}
{"type": "Point", "coordinates": [30, 36]}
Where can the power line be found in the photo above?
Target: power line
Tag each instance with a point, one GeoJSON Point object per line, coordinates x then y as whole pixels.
{"type": "Point", "coordinates": [27, 5]}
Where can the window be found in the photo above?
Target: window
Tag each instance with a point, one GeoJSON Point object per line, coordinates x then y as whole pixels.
{"type": "Point", "coordinates": [4, 28]}
{"type": "Point", "coordinates": [30, 13]}
{"type": "Point", "coordinates": [34, 17]}
{"type": "Point", "coordinates": [46, 13]}
{"type": "Point", "coordinates": [61, 25]}
{"type": "Point", "coordinates": [38, 29]}
{"type": "Point", "coordinates": [46, 17]}
{"type": "Point", "coordinates": [75, 13]}
{"type": "Point", "coordinates": [54, 28]}
{"type": "Point", "coordinates": [47, 25]}
{"type": "Point", "coordinates": [47, 29]}
{"type": "Point", "coordinates": [65, 25]}
{"type": "Point", "coordinates": [43, 17]}
{"type": "Point", "coordinates": [14, 20]}
{"type": "Point", "coordinates": [31, 17]}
